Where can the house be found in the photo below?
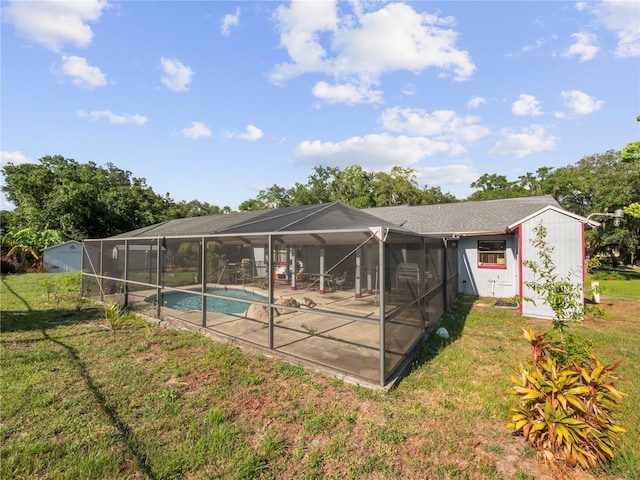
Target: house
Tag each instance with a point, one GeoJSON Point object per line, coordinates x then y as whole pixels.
{"type": "Point", "coordinates": [355, 292]}
{"type": "Point", "coordinates": [495, 242]}
{"type": "Point", "coordinates": [64, 257]}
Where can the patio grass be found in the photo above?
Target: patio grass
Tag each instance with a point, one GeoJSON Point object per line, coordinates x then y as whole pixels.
{"type": "Point", "coordinates": [162, 404]}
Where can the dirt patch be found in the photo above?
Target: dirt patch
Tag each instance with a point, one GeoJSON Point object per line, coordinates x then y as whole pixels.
{"type": "Point", "coordinates": [511, 455]}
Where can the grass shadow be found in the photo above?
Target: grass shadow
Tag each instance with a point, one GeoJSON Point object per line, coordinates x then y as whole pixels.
{"type": "Point", "coordinates": [126, 434]}
{"type": "Point", "coordinates": [23, 321]}
{"type": "Point", "coordinates": [454, 321]}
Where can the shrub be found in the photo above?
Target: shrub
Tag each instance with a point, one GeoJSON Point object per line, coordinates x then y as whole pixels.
{"type": "Point", "coordinates": [9, 265]}
{"type": "Point", "coordinates": [115, 317]}
{"type": "Point", "coordinates": [564, 408]}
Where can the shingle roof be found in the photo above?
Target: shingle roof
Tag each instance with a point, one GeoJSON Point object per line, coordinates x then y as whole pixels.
{"type": "Point", "coordinates": [308, 218]}
{"type": "Point", "coordinates": [486, 216]}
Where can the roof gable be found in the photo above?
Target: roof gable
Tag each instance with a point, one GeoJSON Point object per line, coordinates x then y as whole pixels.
{"type": "Point", "coordinates": [60, 245]}
{"type": "Point", "coordinates": [542, 210]}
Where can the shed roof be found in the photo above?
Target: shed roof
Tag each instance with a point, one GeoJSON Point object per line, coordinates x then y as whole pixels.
{"type": "Point", "coordinates": [465, 218]}
{"type": "Point", "coordinates": [308, 218]}
{"type": "Point", "coordinates": [60, 245]}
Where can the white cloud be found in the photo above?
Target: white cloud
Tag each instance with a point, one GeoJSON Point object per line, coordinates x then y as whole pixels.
{"type": "Point", "coordinates": [371, 151]}
{"type": "Point", "coordinates": [122, 118]}
{"type": "Point", "coordinates": [526, 105]}
{"type": "Point", "coordinates": [55, 23]}
{"type": "Point", "coordinates": [529, 140]}
{"type": "Point", "coordinates": [346, 93]}
{"type": "Point", "coordinates": [252, 134]}
{"type": "Point", "coordinates": [442, 124]}
{"type": "Point", "coordinates": [177, 76]}
{"type": "Point", "coordinates": [300, 25]}
{"type": "Point", "coordinates": [447, 175]}
{"type": "Point", "coordinates": [409, 90]}
{"type": "Point", "coordinates": [229, 21]}
{"type": "Point", "coordinates": [580, 6]}
{"type": "Point", "coordinates": [584, 47]}
{"type": "Point", "coordinates": [358, 49]}
{"type": "Point", "coordinates": [533, 46]}
{"type": "Point", "coordinates": [540, 42]}
{"type": "Point", "coordinates": [80, 72]}
{"type": "Point", "coordinates": [475, 102]}
{"type": "Point", "coordinates": [16, 158]}
{"type": "Point", "coordinates": [622, 17]}
{"type": "Point", "coordinates": [196, 130]}
{"type": "Point", "coordinates": [580, 103]}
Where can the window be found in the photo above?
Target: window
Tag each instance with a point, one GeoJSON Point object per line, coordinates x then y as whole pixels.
{"type": "Point", "coordinates": [491, 253]}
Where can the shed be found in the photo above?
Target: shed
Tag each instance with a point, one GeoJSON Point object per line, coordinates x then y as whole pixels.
{"type": "Point", "coordinates": [494, 240]}
{"type": "Point", "coordinates": [64, 257]}
{"type": "Point", "coordinates": [565, 236]}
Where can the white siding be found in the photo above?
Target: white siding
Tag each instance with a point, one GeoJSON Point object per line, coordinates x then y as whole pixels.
{"type": "Point", "coordinates": [487, 282]}
{"type": "Point", "coordinates": [564, 236]}
{"type": "Point", "coordinates": [66, 257]}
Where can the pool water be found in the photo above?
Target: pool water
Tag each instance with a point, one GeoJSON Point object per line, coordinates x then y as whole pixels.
{"type": "Point", "coordinates": [185, 302]}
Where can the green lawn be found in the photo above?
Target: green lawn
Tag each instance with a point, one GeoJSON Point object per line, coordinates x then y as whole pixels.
{"type": "Point", "coordinates": [617, 283]}
{"type": "Point", "coordinates": [164, 404]}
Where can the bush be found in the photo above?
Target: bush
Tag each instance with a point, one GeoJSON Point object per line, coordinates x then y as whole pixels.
{"type": "Point", "coordinates": [609, 275]}
{"type": "Point", "coordinates": [9, 265]}
{"type": "Point", "coordinates": [564, 407]}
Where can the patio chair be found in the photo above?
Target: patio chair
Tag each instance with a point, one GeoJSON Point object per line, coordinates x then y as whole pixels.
{"type": "Point", "coordinates": [342, 282]}
{"type": "Point", "coordinates": [243, 272]}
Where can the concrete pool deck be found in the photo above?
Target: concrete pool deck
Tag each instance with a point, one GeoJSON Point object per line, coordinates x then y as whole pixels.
{"type": "Point", "coordinates": [347, 348]}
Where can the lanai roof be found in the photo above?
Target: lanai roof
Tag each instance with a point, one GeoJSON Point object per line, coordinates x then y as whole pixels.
{"type": "Point", "coordinates": [465, 218]}
{"type": "Point", "coordinates": [308, 218]}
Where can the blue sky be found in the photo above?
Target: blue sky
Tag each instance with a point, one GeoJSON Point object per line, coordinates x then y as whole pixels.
{"type": "Point", "coordinates": [215, 101]}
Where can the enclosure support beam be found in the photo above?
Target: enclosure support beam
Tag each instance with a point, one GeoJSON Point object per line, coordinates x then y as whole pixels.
{"type": "Point", "coordinates": [203, 277]}
{"type": "Point", "coordinates": [422, 305]}
{"type": "Point", "coordinates": [381, 263]}
{"type": "Point", "coordinates": [158, 278]}
{"type": "Point", "coordinates": [102, 298]}
{"type": "Point", "coordinates": [294, 268]}
{"type": "Point", "coordinates": [270, 271]}
{"type": "Point", "coordinates": [321, 266]}
{"type": "Point", "coordinates": [446, 274]}
{"type": "Point", "coordinates": [358, 274]}
{"type": "Point", "coordinates": [126, 273]}
{"type": "Point", "coordinates": [368, 258]}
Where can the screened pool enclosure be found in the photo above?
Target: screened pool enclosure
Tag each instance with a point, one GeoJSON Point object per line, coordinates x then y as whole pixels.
{"type": "Point", "coordinates": [327, 286]}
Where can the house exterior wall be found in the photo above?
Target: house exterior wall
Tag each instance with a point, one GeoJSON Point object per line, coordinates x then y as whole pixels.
{"type": "Point", "coordinates": [565, 238]}
{"type": "Point", "coordinates": [66, 257]}
{"type": "Point", "coordinates": [482, 281]}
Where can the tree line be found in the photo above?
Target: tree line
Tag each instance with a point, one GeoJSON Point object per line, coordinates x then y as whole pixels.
{"type": "Point", "coordinates": [59, 198]}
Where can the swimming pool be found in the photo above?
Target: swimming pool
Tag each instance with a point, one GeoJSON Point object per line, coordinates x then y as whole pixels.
{"type": "Point", "coordinates": [185, 302]}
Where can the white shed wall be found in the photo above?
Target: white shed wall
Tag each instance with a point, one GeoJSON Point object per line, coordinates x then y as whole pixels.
{"type": "Point", "coordinates": [66, 257]}
{"type": "Point", "coordinates": [487, 282]}
{"type": "Point", "coordinates": [565, 237]}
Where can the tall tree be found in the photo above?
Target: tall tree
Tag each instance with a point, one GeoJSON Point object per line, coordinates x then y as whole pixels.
{"type": "Point", "coordinates": [274, 197]}
{"type": "Point", "coordinates": [631, 152]}
{"type": "Point", "coordinates": [493, 186]}
{"type": "Point", "coordinates": [196, 208]}
{"type": "Point", "coordinates": [603, 183]}
{"type": "Point", "coordinates": [318, 189]}
{"type": "Point", "coordinates": [353, 186]}
{"type": "Point", "coordinates": [435, 195]}
{"type": "Point", "coordinates": [81, 200]}
{"type": "Point", "coordinates": [398, 187]}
